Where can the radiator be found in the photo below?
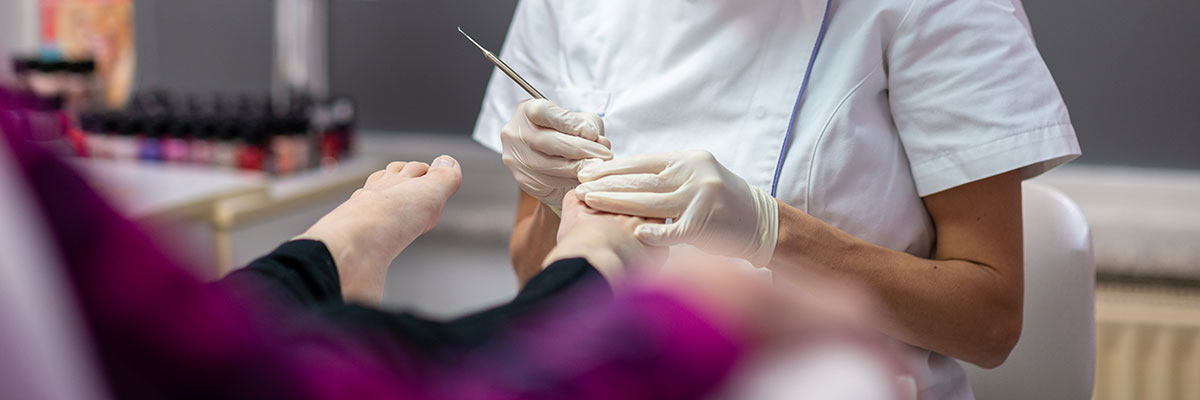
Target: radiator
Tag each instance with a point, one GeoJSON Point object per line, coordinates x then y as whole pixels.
{"type": "Point", "coordinates": [1147, 342]}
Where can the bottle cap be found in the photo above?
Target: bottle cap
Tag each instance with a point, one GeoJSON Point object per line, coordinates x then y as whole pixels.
{"type": "Point", "coordinates": [183, 126]}
{"type": "Point", "coordinates": [132, 123]}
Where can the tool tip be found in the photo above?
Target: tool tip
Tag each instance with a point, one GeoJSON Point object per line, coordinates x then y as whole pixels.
{"type": "Point", "coordinates": [460, 30]}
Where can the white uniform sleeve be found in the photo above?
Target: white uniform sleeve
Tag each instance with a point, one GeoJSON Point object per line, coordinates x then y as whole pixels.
{"type": "Point", "coordinates": [530, 49]}
{"type": "Point", "coordinates": [972, 97]}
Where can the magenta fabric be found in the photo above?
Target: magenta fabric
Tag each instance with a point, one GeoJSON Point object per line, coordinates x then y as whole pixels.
{"type": "Point", "coordinates": [161, 333]}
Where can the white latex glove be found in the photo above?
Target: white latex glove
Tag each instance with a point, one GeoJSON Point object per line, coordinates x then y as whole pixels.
{"type": "Point", "coordinates": [545, 145]}
{"type": "Point", "coordinates": [711, 207]}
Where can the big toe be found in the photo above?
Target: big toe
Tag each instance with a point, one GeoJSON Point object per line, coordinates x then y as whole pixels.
{"type": "Point", "coordinates": [446, 171]}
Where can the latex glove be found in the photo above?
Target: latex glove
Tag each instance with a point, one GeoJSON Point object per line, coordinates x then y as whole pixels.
{"type": "Point", "coordinates": [545, 145]}
{"type": "Point", "coordinates": [711, 207]}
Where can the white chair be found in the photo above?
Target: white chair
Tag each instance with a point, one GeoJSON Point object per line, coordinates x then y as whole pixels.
{"type": "Point", "coordinates": [1055, 357]}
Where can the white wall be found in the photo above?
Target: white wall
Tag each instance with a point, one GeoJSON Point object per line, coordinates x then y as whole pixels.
{"type": "Point", "coordinates": [18, 30]}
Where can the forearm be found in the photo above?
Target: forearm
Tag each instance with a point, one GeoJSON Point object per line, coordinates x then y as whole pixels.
{"type": "Point", "coordinates": [953, 306]}
{"type": "Point", "coordinates": [533, 237]}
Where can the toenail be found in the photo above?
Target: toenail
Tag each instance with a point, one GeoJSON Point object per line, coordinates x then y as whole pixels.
{"type": "Point", "coordinates": [443, 161]}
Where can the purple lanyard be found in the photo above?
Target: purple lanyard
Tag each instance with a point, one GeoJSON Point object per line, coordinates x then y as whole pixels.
{"type": "Point", "coordinates": [787, 138]}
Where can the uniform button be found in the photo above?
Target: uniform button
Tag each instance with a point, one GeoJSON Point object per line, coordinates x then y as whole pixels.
{"type": "Point", "coordinates": [760, 113]}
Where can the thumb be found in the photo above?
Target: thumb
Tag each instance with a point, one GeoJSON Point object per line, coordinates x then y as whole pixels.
{"type": "Point", "coordinates": [660, 235]}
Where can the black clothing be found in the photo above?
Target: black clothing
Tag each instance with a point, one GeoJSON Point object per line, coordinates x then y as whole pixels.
{"type": "Point", "coordinates": [302, 274]}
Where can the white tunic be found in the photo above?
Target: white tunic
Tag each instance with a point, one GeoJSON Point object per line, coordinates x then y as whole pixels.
{"type": "Point", "coordinates": [906, 98]}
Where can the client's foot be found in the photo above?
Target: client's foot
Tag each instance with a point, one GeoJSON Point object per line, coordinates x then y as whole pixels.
{"type": "Point", "coordinates": [394, 207]}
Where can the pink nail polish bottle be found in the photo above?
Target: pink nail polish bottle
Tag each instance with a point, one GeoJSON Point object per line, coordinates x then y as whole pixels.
{"type": "Point", "coordinates": [224, 149]}
{"type": "Point", "coordinates": [203, 142]}
{"type": "Point", "coordinates": [176, 146]}
{"type": "Point", "coordinates": [94, 136]}
{"type": "Point", "coordinates": [124, 140]}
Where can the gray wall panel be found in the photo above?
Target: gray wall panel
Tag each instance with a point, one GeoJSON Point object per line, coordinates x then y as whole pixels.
{"type": "Point", "coordinates": [407, 65]}
{"type": "Point", "coordinates": [205, 45]}
{"type": "Point", "coordinates": [1127, 69]}
{"type": "Point", "coordinates": [1130, 74]}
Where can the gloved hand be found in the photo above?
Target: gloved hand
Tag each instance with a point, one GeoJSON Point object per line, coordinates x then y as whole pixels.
{"type": "Point", "coordinates": [711, 207]}
{"type": "Point", "coordinates": [545, 145]}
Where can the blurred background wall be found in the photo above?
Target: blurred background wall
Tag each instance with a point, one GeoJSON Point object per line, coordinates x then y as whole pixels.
{"type": "Point", "coordinates": [1127, 69]}
{"type": "Point", "coordinates": [16, 34]}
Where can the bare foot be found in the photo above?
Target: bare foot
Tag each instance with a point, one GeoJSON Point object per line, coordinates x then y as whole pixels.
{"type": "Point", "coordinates": [605, 240]}
{"type": "Point", "coordinates": [394, 207]}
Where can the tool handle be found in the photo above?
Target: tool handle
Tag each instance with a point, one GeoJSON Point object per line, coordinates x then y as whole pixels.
{"type": "Point", "coordinates": [513, 75]}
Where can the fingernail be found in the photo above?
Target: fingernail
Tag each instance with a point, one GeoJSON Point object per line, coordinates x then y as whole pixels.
{"type": "Point", "coordinates": [581, 191]}
{"type": "Point", "coordinates": [444, 161]}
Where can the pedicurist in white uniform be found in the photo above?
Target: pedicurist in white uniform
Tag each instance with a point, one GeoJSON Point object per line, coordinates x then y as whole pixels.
{"type": "Point", "coordinates": [878, 141]}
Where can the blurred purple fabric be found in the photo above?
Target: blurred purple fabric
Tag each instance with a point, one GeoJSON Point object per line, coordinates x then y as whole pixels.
{"type": "Point", "coordinates": [161, 333]}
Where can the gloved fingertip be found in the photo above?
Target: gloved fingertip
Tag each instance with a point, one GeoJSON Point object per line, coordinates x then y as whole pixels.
{"type": "Point", "coordinates": [600, 152]}
{"type": "Point", "coordinates": [588, 168]}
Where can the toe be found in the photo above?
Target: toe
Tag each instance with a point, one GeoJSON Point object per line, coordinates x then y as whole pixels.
{"type": "Point", "coordinates": [447, 170]}
{"type": "Point", "coordinates": [375, 176]}
{"type": "Point", "coordinates": [395, 166]}
{"type": "Point", "coordinates": [414, 169]}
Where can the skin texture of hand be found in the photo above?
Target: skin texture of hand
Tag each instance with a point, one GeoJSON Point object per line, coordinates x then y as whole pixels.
{"type": "Point", "coordinates": [965, 301]}
{"type": "Point", "coordinates": [711, 207]}
{"type": "Point", "coordinates": [605, 240]}
{"type": "Point", "coordinates": [394, 207]}
{"type": "Point", "coordinates": [544, 146]}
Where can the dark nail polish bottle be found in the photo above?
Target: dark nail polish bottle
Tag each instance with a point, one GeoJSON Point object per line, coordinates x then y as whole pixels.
{"type": "Point", "coordinates": [251, 149]}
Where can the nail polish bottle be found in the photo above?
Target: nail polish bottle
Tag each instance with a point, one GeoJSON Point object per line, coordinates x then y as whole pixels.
{"type": "Point", "coordinates": [106, 126]}
{"type": "Point", "coordinates": [77, 84]}
{"type": "Point", "coordinates": [176, 146]}
{"type": "Point", "coordinates": [322, 141]}
{"type": "Point", "coordinates": [76, 135]}
{"type": "Point", "coordinates": [21, 69]}
{"type": "Point", "coordinates": [201, 148]}
{"type": "Point", "coordinates": [290, 146]}
{"type": "Point", "coordinates": [251, 147]}
{"type": "Point", "coordinates": [95, 139]}
{"type": "Point", "coordinates": [43, 77]}
{"type": "Point", "coordinates": [124, 143]}
{"type": "Point", "coordinates": [224, 152]}
{"type": "Point", "coordinates": [113, 121]}
{"type": "Point", "coordinates": [344, 114]}
{"type": "Point", "coordinates": [150, 147]}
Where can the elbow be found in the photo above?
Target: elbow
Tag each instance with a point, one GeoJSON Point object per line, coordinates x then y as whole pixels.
{"type": "Point", "coordinates": [998, 342]}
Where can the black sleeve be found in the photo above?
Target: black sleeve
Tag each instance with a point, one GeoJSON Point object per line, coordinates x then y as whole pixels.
{"type": "Point", "coordinates": [301, 275]}
{"type": "Point", "coordinates": [298, 273]}
{"type": "Point", "coordinates": [434, 338]}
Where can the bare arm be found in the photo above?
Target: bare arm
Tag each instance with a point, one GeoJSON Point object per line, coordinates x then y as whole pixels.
{"type": "Point", "coordinates": [966, 302]}
{"type": "Point", "coordinates": [533, 236]}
